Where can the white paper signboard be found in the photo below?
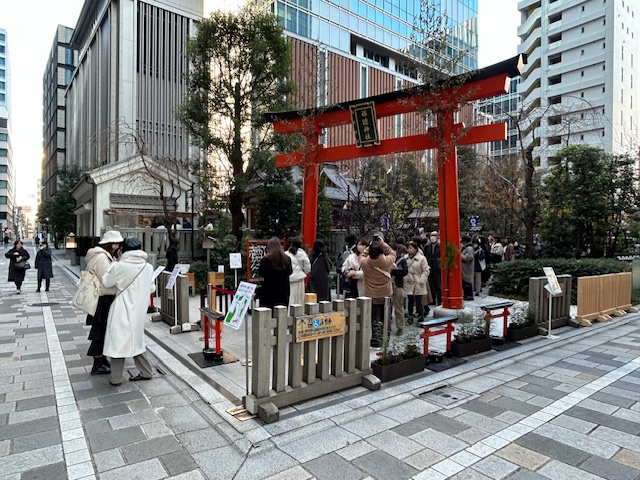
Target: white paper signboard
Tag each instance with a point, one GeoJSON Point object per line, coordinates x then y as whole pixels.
{"type": "Point", "coordinates": [235, 260]}
{"type": "Point", "coordinates": [173, 277]}
{"type": "Point", "coordinates": [157, 272]}
{"type": "Point", "coordinates": [240, 305]}
{"type": "Point", "coordinates": [554, 285]}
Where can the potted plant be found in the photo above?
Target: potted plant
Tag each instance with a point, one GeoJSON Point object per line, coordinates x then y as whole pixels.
{"type": "Point", "coordinates": [472, 335]}
{"type": "Point", "coordinates": [398, 360]}
{"type": "Point", "coordinates": [522, 323]}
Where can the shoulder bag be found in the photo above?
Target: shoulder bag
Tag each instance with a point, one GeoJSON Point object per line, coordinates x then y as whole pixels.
{"type": "Point", "coordinates": [86, 297]}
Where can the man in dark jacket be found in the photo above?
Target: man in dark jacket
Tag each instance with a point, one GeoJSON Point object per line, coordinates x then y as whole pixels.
{"type": "Point", "coordinates": [44, 267]}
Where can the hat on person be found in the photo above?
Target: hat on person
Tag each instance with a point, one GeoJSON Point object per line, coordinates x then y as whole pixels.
{"type": "Point", "coordinates": [131, 243]}
{"type": "Point", "coordinates": [111, 236]}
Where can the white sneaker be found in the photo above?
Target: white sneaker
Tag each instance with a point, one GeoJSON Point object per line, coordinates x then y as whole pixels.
{"type": "Point", "coordinates": [18, 291]}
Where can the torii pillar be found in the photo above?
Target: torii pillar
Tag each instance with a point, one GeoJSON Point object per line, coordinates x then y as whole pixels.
{"type": "Point", "coordinates": [445, 99]}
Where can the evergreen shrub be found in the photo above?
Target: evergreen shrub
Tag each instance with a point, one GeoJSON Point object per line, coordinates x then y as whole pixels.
{"type": "Point", "coordinates": [511, 279]}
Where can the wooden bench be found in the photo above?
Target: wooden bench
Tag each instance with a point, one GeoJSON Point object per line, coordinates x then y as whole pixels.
{"type": "Point", "coordinates": [437, 326]}
{"type": "Point", "coordinates": [503, 311]}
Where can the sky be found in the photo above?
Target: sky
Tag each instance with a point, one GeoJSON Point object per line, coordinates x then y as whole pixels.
{"type": "Point", "coordinates": [31, 29]}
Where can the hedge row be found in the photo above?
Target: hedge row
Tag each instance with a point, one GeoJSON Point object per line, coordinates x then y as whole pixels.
{"type": "Point", "coordinates": [511, 279]}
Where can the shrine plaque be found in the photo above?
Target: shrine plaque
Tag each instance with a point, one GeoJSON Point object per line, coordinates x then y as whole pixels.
{"type": "Point", "coordinates": [365, 124]}
{"type": "Point", "coordinates": [322, 325]}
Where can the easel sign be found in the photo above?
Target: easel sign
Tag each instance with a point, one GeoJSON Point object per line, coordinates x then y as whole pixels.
{"type": "Point", "coordinates": [554, 290]}
{"type": "Point", "coordinates": [240, 305]}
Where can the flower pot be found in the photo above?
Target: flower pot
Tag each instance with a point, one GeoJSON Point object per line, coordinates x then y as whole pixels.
{"type": "Point", "coordinates": [470, 348]}
{"type": "Point", "coordinates": [386, 373]}
{"type": "Point", "coordinates": [516, 334]}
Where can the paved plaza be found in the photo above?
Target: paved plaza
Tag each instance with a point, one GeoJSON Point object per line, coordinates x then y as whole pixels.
{"type": "Point", "coordinates": [567, 408]}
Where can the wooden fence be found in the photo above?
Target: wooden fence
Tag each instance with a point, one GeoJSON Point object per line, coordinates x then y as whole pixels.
{"type": "Point", "coordinates": [539, 302]}
{"type": "Point", "coordinates": [601, 296]}
{"type": "Point", "coordinates": [286, 372]}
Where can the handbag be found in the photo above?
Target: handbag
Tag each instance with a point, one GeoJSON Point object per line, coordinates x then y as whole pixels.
{"type": "Point", "coordinates": [86, 297]}
{"type": "Point", "coordinates": [22, 265]}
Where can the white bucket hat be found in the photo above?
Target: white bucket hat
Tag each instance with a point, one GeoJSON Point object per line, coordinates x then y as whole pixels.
{"type": "Point", "coordinates": [111, 236]}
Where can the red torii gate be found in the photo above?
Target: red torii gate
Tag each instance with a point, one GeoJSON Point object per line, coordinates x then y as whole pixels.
{"type": "Point", "coordinates": [444, 99]}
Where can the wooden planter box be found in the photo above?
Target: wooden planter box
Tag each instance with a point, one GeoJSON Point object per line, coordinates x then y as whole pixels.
{"type": "Point", "coordinates": [386, 373]}
{"type": "Point", "coordinates": [516, 334]}
{"type": "Point", "coordinates": [470, 348]}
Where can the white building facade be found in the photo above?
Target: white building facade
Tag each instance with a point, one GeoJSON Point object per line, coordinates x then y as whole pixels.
{"type": "Point", "coordinates": [580, 85]}
{"type": "Point", "coordinates": [7, 172]}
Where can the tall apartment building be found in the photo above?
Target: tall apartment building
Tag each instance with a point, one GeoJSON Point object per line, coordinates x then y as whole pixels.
{"type": "Point", "coordinates": [121, 103]}
{"type": "Point", "coordinates": [348, 50]}
{"type": "Point", "coordinates": [580, 85]}
{"type": "Point", "coordinates": [57, 76]}
{"type": "Point", "coordinates": [7, 172]}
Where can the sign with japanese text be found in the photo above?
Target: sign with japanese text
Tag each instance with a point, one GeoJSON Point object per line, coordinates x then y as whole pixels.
{"type": "Point", "coordinates": [240, 305]}
{"type": "Point", "coordinates": [365, 124]}
{"type": "Point", "coordinates": [554, 285]}
{"type": "Point", "coordinates": [322, 325]}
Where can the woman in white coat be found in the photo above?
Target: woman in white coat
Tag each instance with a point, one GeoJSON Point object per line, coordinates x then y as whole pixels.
{"type": "Point", "coordinates": [351, 269]}
{"type": "Point", "coordinates": [132, 277]}
{"type": "Point", "coordinates": [301, 267]}
{"type": "Point", "coordinates": [416, 283]}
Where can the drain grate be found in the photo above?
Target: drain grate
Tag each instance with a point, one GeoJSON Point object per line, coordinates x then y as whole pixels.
{"type": "Point", "coordinates": [446, 396]}
{"type": "Point", "coordinates": [48, 304]}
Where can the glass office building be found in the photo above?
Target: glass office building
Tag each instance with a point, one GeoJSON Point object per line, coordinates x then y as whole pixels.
{"type": "Point", "coordinates": [386, 24]}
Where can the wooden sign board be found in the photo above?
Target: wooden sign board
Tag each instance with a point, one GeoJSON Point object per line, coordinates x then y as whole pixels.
{"type": "Point", "coordinates": [365, 124]}
{"type": "Point", "coordinates": [322, 325]}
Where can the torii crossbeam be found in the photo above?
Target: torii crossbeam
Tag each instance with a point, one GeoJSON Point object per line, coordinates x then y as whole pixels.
{"type": "Point", "coordinates": [444, 99]}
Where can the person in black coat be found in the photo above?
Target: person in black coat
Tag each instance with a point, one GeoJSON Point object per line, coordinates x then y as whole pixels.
{"type": "Point", "coordinates": [17, 257]}
{"type": "Point", "coordinates": [275, 268]}
{"type": "Point", "coordinates": [44, 267]}
{"type": "Point", "coordinates": [172, 254]}
{"type": "Point", "coordinates": [318, 282]}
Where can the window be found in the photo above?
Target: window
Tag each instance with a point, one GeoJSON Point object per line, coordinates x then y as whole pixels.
{"type": "Point", "coordinates": [582, 73]}
{"type": "Point", "coordinates": [603, 67]}
{"type": "Point", "coordinates": [581, 94]}
{"type": "Point", "coordinates": [1, 48]}
{"type": "Point", "coordinates": [2, 98]}
{"type": "Point", "coordinates": [621, 96]}
{"type": "Point", "coordinates": [4, 152]}
{"type": "Point", "coordinates": [4, 184]}
{"type": "Point", "coordinates": [604, 45]}
{"type": "Point", "coordinates": [1, 72]}
{"type": "Point", "coordinates": [622, 52]}
{"type": "Point", "coordinates": [582, 52]}
{"type": "Point", "coordinates": [4, 137]}
{"type": "Point", "coordinates": [582, 30]}
{"type": "Point", "coordinates": [583, 8]}
{"type": "Point", "coordinates": [3, 169]}
{"type": "Point", "coordinates": [581, 137]}
{"type": "Point", "coordinates": [2, 37]}
{"type": "Point", "coordinates": [555, 79]}
{"type": "Point", "coordinates": [3, 200]}
{"type": "Point", "coordinates": [603, 89]}
{"type": "Point", "coordinates": [1, 60]}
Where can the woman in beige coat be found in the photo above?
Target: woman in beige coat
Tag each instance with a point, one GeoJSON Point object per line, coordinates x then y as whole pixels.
{"type": "Point", "coordinates": [416, 283]}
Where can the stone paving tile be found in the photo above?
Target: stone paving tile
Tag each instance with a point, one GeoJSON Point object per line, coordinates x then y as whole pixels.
{"type": "Point", "coordinates": [522, 456]}
{"type": "Point", "coordinates": [495, 467]}
{"type": "Point", "coordinates": [149, 470]}
{"type": "Point", "coordinates": [119, 398]}
{"type": "Point", "coordinates": [556, 470]}
{"type": "Point", "coordinates": [370, 425]}
{"type": "Point", "coordinates": [28, 428]}
{"type": "Point", "coordinates": [394, 444]}
{"type": "Point", "coordinates": [604, 419]}
{"type": "Point", "coordinates": [609, 469]}
{"type": "Point", "coordinates": [32, 459]}
{"type": "Point", "coordinates": [583, 442]}
{"type": "Point", "coordinates": [617, 437]}
{"type": "Point", "coordinates": [355, 450]}
{"type": "Point", "coordinates": [178, 462]}
{"type": "Point", "coordinates": [380, 464]}
{"type": "Point", "coordinates": [600, 407]}
{"type": "Point", "coordinates": [439, 442]}
{"type": "Point", "coordinates": [148, 449]}
{"type": "Point", "coordinates": [332, 466]}
{"type": "Point", "coordinates": [295, 473]}
{"type": "Point", "coordinates": [204, 439]}
{"type": "Point", "coordinates": [307, 448]}
{"type": "Point", "coordinates": [514, 393]}
{"type": "Point", "coordinates": [543, 391]}
{"type": "Point", "coordinates": [90, 415]}
{"type": "Point", "coordinates": [119, 438]}
{"type": "Point", "coordinates": [32, 414]}
{"type": "Point", "coordinates": [133, 419]}
{"type": "Point", "coordinates": [485, 409]}
{"type": "Point", "coordinates": [552, 448]}
{"type": "Point", "coordinates": [28, 404]}
{"type": "Point", "coordinates": [36, 441]}
{"type": "Point", "coordinates": [220, 462]}
{"type": "Point", "coordinates": [628, 458]}
{"type": "Point", "coordinates": [573, 423]}
{"type": "Point", "coordinates": [182, 419]}
{"type": "Point", "coordinates": [611, 399]}
{"type": "Point", "coordinates": [108, 460]}
{"type": "Point", "coordinates": [487, 424]}
{"type": "Point", "coordinates": [472, 435]}
{"type": "Point", "coordinates": [53, 471]}
{"type": "Point", "coordinates": [526, 475]}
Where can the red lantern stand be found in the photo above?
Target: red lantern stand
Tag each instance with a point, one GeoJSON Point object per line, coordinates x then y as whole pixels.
{"type": "Point", "coordinates": [444, 100]}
